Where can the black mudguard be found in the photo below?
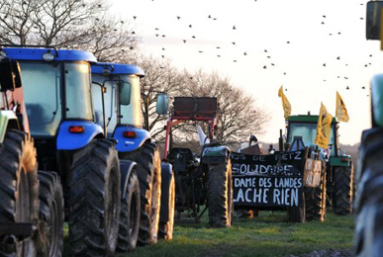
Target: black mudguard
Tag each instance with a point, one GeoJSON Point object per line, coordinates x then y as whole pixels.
{"type": "Point", "coordinates": [126, 168]}
{"type": "Point", "coordinates": [166, 176]}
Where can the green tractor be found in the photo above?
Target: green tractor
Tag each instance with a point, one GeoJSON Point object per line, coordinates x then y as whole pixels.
{"type": "Point", "coordinates": [339, 168]}
{"type": "Point", "coordinates": [368, 238]}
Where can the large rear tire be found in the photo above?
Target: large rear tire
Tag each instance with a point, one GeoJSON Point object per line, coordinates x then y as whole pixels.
{"type": "Point", "coordinates": [343, 190]}
{"type": "Point", "coordinates": [18, 188]}
{"type": "Point", "coordinates": [149, 176]}
{"type": "Point", "coordinates": [368, 239]}
{"type": "Point", "coordinates": [94, 204]}
{"type": "Point", "coordinates": [220, 195]}
{"type": "Point", "coordinates": [51, 215]}
{"type": "Point", "coordinates": [316, 201]}
{"type": "Point", "coordinates": [130, 215]}
{"type": "Point", "coordinates": [168, 197]}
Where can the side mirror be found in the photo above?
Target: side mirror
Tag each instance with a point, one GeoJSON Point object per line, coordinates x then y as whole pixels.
{"type": "Point", "coordinates": [162, 104]}
{"type": "Point", "coordinates": [373, 19]}
{"type": "Point", "coordinates": [17, 73]}
{"type": "Point", "coordinates": [125, 91]}
{"type": "Point", "coordinates": [10, 75]}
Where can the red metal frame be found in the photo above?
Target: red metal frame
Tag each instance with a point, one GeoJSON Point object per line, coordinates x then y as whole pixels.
{"type": "Point", "coordinates": [175, 120]}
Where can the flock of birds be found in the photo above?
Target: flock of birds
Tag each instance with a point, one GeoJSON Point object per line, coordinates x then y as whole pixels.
{"type": "Point", "coordinates": [244, 53]}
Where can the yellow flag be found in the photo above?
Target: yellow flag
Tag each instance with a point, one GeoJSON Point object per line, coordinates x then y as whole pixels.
{"type": "Point", "coordinates": [323, 127]}
{"type": "Point", "coordinates": [341, 111]}
{"type": "Point", "coordinates": [285, 103]}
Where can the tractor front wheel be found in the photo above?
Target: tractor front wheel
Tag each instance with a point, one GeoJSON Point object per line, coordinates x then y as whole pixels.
{"type": "Point", "coordinates": [342, 195]}
{"type": "Point", "coordinates": [168, 195]}
{"type": "Point", "coordinates": [220, 195]}
{"type": "Point", "coordinates": [51, 214]}
{"type": "Point", "coordinates": [130, 215]}
{"type": "Point", "coordinates": [94, 203]}
{"type": "Point", "coordinates": [149, 176]}
{"type": "Point", "coordinates": [18, 189]}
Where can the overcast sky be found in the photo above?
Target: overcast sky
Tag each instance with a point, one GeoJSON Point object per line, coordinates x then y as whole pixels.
{"type": "Point", "coordinates": [312, 48]}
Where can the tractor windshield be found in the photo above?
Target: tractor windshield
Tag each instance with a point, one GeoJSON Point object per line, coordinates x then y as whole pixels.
{"type": "Point", "coordinates": [43, 95]}
{"type": "Point", "coordinates": [131, 110]}
{"type": "Point", "coordinates": [308, 132]}
{"type": "Point", "coordinates": [77, 91]}
{"type": "Point", "coordinates": [122, 100]}
{"type": "Point", "coordinates": [110, 98]}
{"type": "Point", "coordinates": [41, 82]}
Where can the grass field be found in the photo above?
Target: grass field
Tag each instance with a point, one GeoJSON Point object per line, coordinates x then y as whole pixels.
{"type": "Point", "coordinates": [266, 235]}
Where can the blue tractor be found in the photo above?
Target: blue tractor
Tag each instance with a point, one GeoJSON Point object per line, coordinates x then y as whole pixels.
{"type": "Point", "coordinates": [126, 124]}
{"type": "Point", "coordinates": [57, 94]}
{"type": "Point", "coordinates": [29, 198]}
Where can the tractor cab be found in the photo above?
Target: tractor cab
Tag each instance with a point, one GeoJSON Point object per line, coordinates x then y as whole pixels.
{"type": "Point", "coordinates": [58, 99]}
{"type": "Point", "coordinates": [301, 132]}
{"type": "Point", "coordinates": [122, 94]}
{"type": "Point", "coordinates": [123, 103]}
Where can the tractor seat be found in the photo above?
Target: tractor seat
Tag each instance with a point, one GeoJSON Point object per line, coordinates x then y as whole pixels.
{"type": "Point", "coordinates": [181, 158]}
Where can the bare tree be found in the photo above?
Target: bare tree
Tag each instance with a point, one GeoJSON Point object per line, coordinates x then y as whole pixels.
{"type": "Point", "coordinates": [16, 20]}
{"type": "Point", "coordinates": [160, 76]}
{"type": "Point", "coordinates": [238, 114]}
{"type": "Point", "coordinates": [85, 24]}
{"type": "Point", "coordinates": [112, 40]}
